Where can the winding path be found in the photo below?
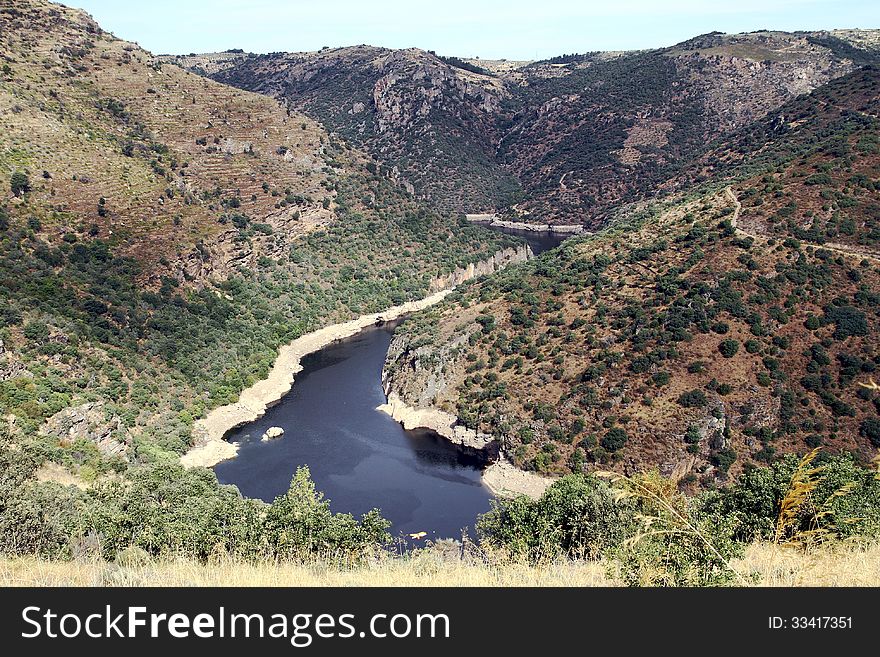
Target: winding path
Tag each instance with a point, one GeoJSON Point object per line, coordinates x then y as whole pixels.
{"type": "Point", "coordinates": [828, 246]}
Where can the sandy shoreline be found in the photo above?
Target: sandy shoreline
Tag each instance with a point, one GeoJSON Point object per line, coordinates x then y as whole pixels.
{"type": "Point", "coordinates": [209, 432]}
{"type": "Point", "coordinates": [506, 480]}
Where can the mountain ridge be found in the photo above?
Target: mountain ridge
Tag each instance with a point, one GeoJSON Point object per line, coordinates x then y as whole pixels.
{"type": "Point", "coordinates": [565, 139]}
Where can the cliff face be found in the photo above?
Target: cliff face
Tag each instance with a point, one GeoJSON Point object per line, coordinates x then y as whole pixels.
{"type": "Point", "coordinates": [497, 262]}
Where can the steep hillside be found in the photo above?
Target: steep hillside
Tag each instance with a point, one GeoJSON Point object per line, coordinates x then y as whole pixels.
{"type": "Point", "coordinates": [162, 234]}
{"type": "Point", "coordinates": [561, 141]}
{"type": "Point", "coordinates": [597, 130]}
{"type": "Point", "coordinates": [433, 124]}
{"type": "Point", "coordinates": [719, 328]}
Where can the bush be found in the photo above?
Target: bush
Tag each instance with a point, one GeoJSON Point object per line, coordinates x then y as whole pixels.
{"type": "Point", "coordinates": [19, 183]}
{"type": "Point", "coordinates": [692, 399]}
{"type": "Point", "coordinates": [576, 517]}
{"type": "Point", "coordinates": [661, 378]}
{"type": "Point", "coordinates": [36, 331]}
{"type": "Point", "coordinates": [728, 348]}
{"type": "Point", "coordinates": [614, 439]}
{"type": "Point", "coordinates": [754, 501]}
{"type": "Point", "coordinates": [870, 429]}
{"type": "Point", "coordinates": [678, 543]}
{"type": "Point", "coordinates": [847, 321]}
{"type": "Point", "coordinates": [724, 459]}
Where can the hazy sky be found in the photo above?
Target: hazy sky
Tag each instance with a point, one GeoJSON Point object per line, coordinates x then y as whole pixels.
{"type": "Point", "coordinates": [515, 29]}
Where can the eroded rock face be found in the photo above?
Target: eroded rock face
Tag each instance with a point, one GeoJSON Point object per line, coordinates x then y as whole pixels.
{"type": "Point", "coordinates": [497, 262]}
{"type": "Point", "coordinates": [10, 366]}
{"type": "Point", "coordinates": [445, 424]}
{"type": "Point", "coordinates": [89, 422]}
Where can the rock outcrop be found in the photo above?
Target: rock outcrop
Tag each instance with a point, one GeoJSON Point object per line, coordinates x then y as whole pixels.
{"type": "Point", "coordinates": [445, 424]}
{"type": "Point", "coordinates": [494, 221]}
{"type": "Point", "coordinates": [89, 422]}
{"type": "Point", "coordinates": [498, 261]}
{"type": "Point", "coordinates": [272, 433]}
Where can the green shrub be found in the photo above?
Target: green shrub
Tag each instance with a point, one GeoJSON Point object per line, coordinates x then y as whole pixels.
{"type": "Point", "coordinates": [754, 500]}
{"type": "Point", "coordinates": [576, 517]}
{"type": "Point", "coordinates": [678, 543]}
{"type": "Point", "coordinates": [614, 439]}
{"type": "Point", "coordinates": [870, 429]}
{"type": "Point", "coordinates": [692, 399]}
{"type": "Point", "coordinates": [728, 348]}
{"type": "Point", "coordinates": [847, 321]}
{"type": "Point", "coordinates": [19, 183]}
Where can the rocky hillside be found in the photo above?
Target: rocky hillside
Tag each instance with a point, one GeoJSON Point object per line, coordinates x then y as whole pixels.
{"type": "Point", "coordinates": [161, 234]}
{"type": "Point", "coordinates": [563, 140]}
{"type": "Point", "coordinates": [721, 327]}
{"type": "Point", "coordinates": [432, 124]}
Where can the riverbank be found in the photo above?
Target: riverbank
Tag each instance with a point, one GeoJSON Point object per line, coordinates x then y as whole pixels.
{"type": "Point", "coordinates": [501, 477]}
{"type": "Point", "coordinates": [504, 479]}
{"type": "Point", "coordinates": [441, 422]}
{"type": "Point", "coordinates": [493, 221]}
{"type": "Point", "coordinates": [209, 432]}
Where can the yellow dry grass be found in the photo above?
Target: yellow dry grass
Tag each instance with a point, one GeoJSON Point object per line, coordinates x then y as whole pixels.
{"type": "Point", "coordinates": [763, 565]}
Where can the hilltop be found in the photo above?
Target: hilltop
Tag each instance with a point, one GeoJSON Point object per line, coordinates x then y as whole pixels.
{"type": "Point", "coordinates": [162, 234]}
{"type": "Point", "coordinates": [563, 140]}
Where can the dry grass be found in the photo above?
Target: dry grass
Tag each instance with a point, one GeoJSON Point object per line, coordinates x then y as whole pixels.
{"type": "Point", "coordinates": [847, 564]}
{"type": "Point", "coordinates": [763, 564]}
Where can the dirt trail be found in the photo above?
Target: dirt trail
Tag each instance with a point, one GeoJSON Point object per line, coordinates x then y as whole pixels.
{"type": "Point", "coordinates": [842, 249]}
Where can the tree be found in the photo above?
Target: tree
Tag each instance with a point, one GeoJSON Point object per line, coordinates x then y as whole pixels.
{"type": "Point", "coordinates": [728, 348]}
{"type": "Point", "coordinates": [615, 439]}
{"type": "Point", "coordinates": [300, 523]}
{"type": "Point", "coordinates": [20, 183]}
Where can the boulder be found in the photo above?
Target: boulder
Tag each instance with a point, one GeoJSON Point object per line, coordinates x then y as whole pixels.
{"type": "Point", "coordinates": [272, 433]}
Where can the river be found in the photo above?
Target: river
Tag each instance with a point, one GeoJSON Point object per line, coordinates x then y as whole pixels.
{"type": "Point", "coordinates": [359, 457]}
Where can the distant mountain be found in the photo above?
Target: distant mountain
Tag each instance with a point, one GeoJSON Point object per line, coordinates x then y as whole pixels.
{"type": "Point", "coordinates": [434, 125]}
{"type": "Point", "coordinates": [559, 141]}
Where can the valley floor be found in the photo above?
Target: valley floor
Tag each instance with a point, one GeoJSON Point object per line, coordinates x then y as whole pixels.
{"type": "Point", "coordinates": [764, 565]}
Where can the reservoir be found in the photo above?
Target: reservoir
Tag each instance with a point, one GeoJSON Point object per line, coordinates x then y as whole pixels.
{"type": "Point", "coordinates": [359, 457]}
{"type": "Point", "coordinates": [540, 241]}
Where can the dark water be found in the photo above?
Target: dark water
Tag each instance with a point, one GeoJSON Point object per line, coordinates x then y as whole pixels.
{"type": "Point", "coordinates": [359, 458]}
{"type": "Point", "coordinates": [539, 241]}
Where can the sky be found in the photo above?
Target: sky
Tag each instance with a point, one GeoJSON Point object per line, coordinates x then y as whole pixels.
{"type": "Point", "coordinates": [491, 29]}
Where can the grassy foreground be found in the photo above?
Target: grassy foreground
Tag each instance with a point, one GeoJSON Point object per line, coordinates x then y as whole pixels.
{"type": "Point", "coordinates": [763, 564]}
